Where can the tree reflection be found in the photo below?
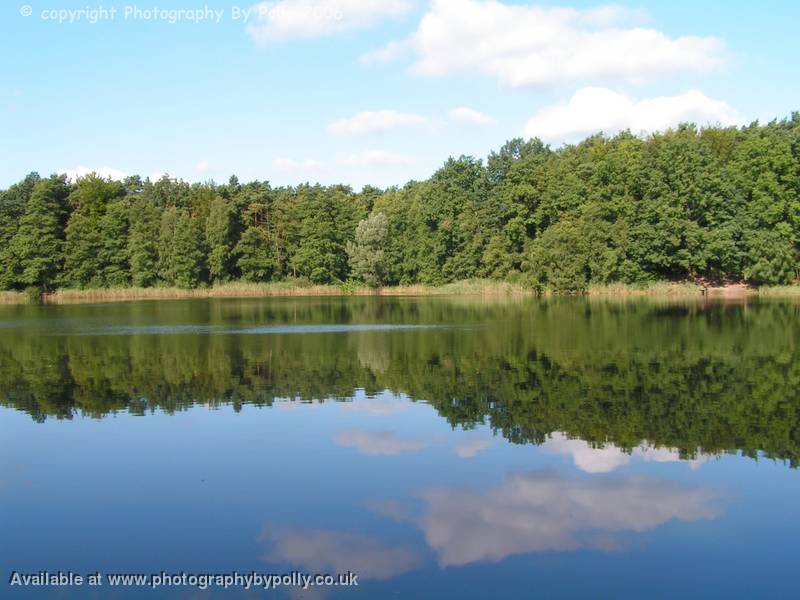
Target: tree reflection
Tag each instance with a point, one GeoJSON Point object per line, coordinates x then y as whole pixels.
{"type": "Point", "coordinates": [693, 378]}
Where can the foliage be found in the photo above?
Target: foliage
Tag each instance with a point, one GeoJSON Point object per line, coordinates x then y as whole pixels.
{"type": "Point", "coordinates": [366, 253]}
{"type": "Point", "coordinates": [718, 204]}
{"type": "Point", "coordinates": [37, 245]}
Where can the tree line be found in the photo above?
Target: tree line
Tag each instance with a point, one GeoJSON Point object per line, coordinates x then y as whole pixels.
{"type": "Point", "coordinates": [717, 204]}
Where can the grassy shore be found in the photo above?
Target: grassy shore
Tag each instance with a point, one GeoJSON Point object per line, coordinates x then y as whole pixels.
{"type": "Point", "coordinates": [12, 298]}
{"type": "Point", "coordinates": [478, 287]}
{"type": "Point", "coordinates": [284, 289]}
{"type": "Point", "coordinates": [661, 289]}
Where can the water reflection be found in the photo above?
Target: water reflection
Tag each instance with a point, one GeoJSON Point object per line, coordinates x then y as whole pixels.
{"type": "Point", "coordinates": [373, 443]}
{"type": "Point", "coordinates": [331, 551]}
{"type": "Point", "coordinates": [574, 448]}
{"type": "Point", "coordinates": [545, 511]}
{"type": "Point", "coordinates": [471, 448]}
{"type": "Point", "coordinates": [608, 457]}
{"type": "Point", "coordinates": [696, 379]}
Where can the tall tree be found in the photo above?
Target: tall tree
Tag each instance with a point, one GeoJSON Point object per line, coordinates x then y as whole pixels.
{"type": "Point", "coordinates": [367, 252]}
{"type": "Point", "coordinates": [143, 242]}
{"type": "Point", "coordinates": [12, 207]}
{"type": "Point", "coordinates": [255, 261]}
{"type": "Point", "coordinates": [219, 239]}
{"type": "Point", "coordinates": [85, 255]}
{"type": "Point", "coordinates": [39, 241]}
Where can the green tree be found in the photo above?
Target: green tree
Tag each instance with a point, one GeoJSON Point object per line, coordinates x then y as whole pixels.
{"type": "Point", "coordinates": [143, 242]}
{"type": "Point", "coordinates": [367, 252]}
{"type": "Point", "coordinates": [85, 247]}
{"type": "Point", "coordinates": [255, 256]}
{"type": "Point", "coordinates": [219, 239]}
{"type": "Point", "coordinates": [181, 251]}
{"type": "Point", "coordinates": [114, 227]}
{"type": "Point", "coordinates": [38, 244]}
{"type": "Point", "coordinates": [12, 208]}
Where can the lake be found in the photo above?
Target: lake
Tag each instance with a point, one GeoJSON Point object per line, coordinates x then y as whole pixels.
{"type": "Point", "coordinates": [435, 447]}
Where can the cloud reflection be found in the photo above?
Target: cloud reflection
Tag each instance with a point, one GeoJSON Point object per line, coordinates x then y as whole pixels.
{"type": "Point", "coordinates": [377, 407]}
{"type": "Point", "coordinates": [590, 459]}
{"type": "Point", "coordinates": [378, 443]}
{"type": "Point", "coordinates": [471, 448]}
{"type": "Point", "coordinates": [543, 511]}
{"type": "Point", "coordinates": [331, 551]}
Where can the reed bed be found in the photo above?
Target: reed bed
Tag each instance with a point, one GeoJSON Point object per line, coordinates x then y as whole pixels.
{"type": "Point", "coordinates": [282, 289]}
{"type": "Point", "coordinates": [478, 287]}
{"type": "Point", "coordinates": [12, 298]}
{"type": "Point", "coordinates": [661, 289]}
{"type": "Point", "coordinates": [780, 291]}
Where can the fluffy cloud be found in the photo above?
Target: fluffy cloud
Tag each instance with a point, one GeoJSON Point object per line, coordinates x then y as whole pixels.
{"type": "Point", "coordinates": [203, 166]}
{"type": "Point", "coordinates": [374, 443]}
{"type": "Point", "coordinates": [328, 551]}
{"type": "Point", "coordinates": [523, 45]}
{"type": "Point", "coordinates": [539, 512]}
{"type": "Point", "coordinates": [289, 165]}
{"type": "Point", "coordinates": [609, 458]}
{"type": "Point", "coordinates": [290, 19]}
{"type": "Point", "coordinates": [104, 172]}
{"type": "Point", "coordinates": [375, 121]}
{"type": "Point", "coordinates": [376, 158]}
{"type": "Point", "coordinates": [468, 115]}
{"type": "Point", "coordinates": [597, 109]}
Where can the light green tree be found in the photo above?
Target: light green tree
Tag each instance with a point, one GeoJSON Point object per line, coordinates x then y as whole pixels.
{"type": "Point", "coordinates": [367, 253]}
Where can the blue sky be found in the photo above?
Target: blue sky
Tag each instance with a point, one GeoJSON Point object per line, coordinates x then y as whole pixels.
{"type": "Point", "coordinates": [368, 91]}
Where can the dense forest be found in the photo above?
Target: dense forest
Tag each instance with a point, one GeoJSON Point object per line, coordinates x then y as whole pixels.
{"type": "Point", "coordinates": [708, 377]}
{"type": "Point", "coordinates": [718, 204]}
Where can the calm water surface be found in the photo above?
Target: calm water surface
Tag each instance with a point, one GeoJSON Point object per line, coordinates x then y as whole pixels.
{"type": "Point", "coordinates": [440, 448]}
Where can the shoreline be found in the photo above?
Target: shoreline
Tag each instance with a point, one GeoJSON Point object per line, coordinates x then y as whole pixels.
{"type": "Point", "coordinates": [664, 290]}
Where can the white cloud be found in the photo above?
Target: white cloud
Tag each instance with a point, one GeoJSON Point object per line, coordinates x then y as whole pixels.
{"type": "Point", "coordinates": [203, 166]}
{"type": "Point", "coordinates": [525, 45]}
{"type": "Point", "coordinates": [376, 158]}
{"type": "Point", "coordinates": [104, 172]}
{"type": "Point", "coordinates": [375, 121]}
{"type": "Point", "coordinates": [374, 443]}
{"type": "Point", "coordinates": [289, 165]}
{"type": "Point", "coordinates": [598, 109]}
{"type": "Point", "coordinates": [608, 458]}
{"type": "Point", "coordinates": [541, 512]}
{"type": "Point", "coordinates": [291, 19]}
{"type": "Point", "coordinates": [471, 116]}
{"type": "Point", "coordinates": [328, 551]}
